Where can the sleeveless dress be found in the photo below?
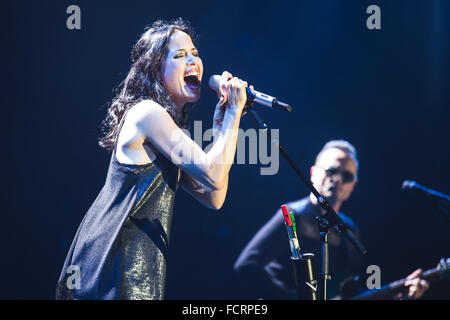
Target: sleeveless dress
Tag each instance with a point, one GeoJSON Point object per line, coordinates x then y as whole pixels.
{"type": "Point", "coordinates": [120, 248]}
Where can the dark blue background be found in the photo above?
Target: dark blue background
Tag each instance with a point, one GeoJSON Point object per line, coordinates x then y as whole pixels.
{"type": "Point", "coordinates": [386, 91]}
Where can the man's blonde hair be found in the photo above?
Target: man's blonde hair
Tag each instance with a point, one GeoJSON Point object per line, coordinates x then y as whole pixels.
{"type": "Point", "coordinates": [343, 145]}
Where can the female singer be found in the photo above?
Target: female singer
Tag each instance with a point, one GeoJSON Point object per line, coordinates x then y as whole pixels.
{"type": "Point", "coordinates": [120, 248]}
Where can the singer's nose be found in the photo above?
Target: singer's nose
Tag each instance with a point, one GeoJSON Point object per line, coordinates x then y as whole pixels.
{"type": "Point", "coordinates": [191, 59]}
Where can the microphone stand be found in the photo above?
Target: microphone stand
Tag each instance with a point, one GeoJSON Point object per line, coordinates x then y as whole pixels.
{"type": "Point", "coordinates": [306, 263]}
{"type": "Point", "coordinates": [326, 221]}
{"type": "Point", "coordinates": [444, 207]}
{"type": "Point", "coordinates": [441, 200]}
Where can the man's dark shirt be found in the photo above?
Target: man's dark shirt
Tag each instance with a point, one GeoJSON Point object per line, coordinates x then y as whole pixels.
{"type": "Point", "coordinates": [264, 267]}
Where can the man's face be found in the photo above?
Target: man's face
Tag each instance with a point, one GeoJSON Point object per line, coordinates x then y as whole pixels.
{"type": "Point", "coordinates": [334, 175]}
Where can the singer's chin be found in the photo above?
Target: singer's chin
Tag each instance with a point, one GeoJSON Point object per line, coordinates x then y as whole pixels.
{"type": "Point", "coordinates": [193, 94]}
{"type": "Point", "coordinates": [195, 99]}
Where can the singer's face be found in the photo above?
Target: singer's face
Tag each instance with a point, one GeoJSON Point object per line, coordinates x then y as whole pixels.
{"type": "Point", "coordinates": [334, 175]}
{"type": "Point", "coordinates": [182, 70]}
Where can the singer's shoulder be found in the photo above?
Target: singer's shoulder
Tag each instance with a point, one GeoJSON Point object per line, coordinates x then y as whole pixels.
{"type": "Point", "coordinates": [148, 114]}
{"type": "Point", "coordinates": [146, 108]}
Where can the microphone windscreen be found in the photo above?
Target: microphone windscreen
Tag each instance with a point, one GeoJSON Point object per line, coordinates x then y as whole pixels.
{"type": "Point", "coordinates": [408, 184]}
{"type": "Point", "coordinates": [214, 82]}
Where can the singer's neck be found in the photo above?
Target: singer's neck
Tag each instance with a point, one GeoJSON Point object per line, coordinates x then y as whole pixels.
{"type": "Point", "coordinates": [335, 205]}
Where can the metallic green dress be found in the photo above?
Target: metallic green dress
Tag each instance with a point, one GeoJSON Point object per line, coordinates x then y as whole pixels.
{"type": "Point", "coordinates": [120, 248]}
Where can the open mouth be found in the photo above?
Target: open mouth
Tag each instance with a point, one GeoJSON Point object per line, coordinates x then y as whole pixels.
{"type": "Point", "coordinates": [192, 81]}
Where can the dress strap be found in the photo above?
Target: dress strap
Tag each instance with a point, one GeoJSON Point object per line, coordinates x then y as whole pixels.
{"type": "Point", "coordinates": [119, 129]}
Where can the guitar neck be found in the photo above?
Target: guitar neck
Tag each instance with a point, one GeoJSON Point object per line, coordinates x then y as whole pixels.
{"type": "Point", "coordinates": [387, 291]}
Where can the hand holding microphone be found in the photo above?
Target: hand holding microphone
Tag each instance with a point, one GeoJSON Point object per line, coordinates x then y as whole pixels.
{"type": "Point", "coordinates": [216, 83]}
{"type": "Point", "coordinates": [231, 90]}
{"type": "Point", "coordinates": [232, 96]}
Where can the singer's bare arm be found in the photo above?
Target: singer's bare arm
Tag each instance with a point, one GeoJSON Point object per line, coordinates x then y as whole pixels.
{"type": "Point", "coordinates": [212, 199]}
{"type": "Point", "coordinates": [209, 168]}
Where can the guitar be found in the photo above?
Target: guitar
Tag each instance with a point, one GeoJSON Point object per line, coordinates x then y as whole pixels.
{"type": "Point", "coordinates": [389, 290]}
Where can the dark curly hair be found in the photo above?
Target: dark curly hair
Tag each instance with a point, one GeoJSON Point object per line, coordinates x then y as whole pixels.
{"type": "Point", "coordinates": [144, 80]}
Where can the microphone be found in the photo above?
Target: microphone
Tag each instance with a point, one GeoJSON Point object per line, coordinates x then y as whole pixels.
{"type": "Point", "coordinates": [407, 184]}
{"type": "Point", "coordinates": [253, 96]}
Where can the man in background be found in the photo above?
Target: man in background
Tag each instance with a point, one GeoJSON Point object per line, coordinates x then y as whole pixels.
{"type": "Point", "coordinates": [264, 266]}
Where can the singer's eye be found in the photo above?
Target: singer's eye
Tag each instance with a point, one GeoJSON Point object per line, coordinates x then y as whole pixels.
{"type": "Point", "coordinates": [179, 55]}
{"type": "Point", "coordinates": [195, 53]}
